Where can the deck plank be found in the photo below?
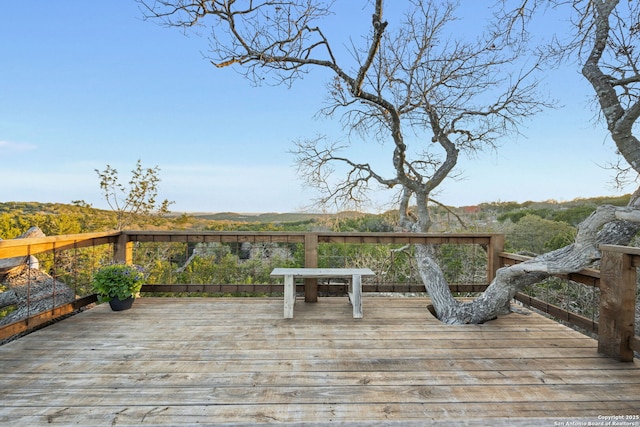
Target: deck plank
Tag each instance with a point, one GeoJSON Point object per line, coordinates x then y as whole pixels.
{"type": "Point", "coordinates": [237, 362]}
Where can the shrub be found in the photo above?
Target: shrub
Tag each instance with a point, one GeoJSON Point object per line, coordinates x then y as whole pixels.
{"type": "Point", "coordinates": [118, 281]}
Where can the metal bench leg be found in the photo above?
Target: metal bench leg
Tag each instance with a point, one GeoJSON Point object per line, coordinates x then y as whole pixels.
{"type": "Point", "coordinates": [289, 296]}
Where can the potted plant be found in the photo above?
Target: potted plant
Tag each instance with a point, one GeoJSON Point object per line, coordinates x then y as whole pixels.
{"type": "Point", "coordinates": [118, 284]}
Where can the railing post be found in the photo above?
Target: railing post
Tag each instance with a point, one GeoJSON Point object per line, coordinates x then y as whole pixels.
{"type": "Point", "coordinates": [617, 303]}
{"type": "Point", "coordinates": [123, 250]}
{"type": "Point", "coordinates": [496, 246]}
{"type": "Point", "coordinates": [311, 261]}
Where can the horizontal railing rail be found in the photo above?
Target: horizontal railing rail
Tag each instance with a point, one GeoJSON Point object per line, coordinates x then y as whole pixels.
{"type": "Point", "coordinates": [36, 245]}
{"type": "Point", "coordinates": [329, 289]}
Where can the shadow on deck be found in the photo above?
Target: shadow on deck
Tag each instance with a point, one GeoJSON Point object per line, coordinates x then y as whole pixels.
{"type": "Point", "coordinates": [233, 361]}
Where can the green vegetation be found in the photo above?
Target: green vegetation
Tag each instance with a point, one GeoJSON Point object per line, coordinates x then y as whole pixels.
{"type": "Point", "coordinates": [119, 281]}
{"type": "Point", "coordinates": [58, 218]}
{"type": "Point", "coordinates": [538, 235]}
{"type": "Point", "coordinates": [530, 228]}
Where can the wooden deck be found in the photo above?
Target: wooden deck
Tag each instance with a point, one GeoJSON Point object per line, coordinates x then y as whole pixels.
{"type": "Point", "coordinates": [238, 362]}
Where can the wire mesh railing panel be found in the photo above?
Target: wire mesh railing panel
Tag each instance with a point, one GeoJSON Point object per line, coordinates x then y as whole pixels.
{"type": "Point", "coordinates": [396, 264]}
{"type": "Point", "coordinates": [216, 263]}
{"type": "Point", "coordinates": [575, 304]}
{"type": "Point", "coordinates": [52, 279]}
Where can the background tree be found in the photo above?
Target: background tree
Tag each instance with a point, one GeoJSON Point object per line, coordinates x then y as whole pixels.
{"type": "Point", "coordinates": [536, 235]}
{"type": "Point", "coordinates": [413, 82]}
{"type": "Point", "coordinates": [138, 198]}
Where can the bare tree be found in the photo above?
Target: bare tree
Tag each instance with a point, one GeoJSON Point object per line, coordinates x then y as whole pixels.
{"type": "Point", "coordinates": [410, 83]}
{"type": "Point", "coordinates": [138, 198]}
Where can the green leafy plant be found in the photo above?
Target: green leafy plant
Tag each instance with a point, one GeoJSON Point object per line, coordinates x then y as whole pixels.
{"type": "Point", "coordinates": [118, 281]}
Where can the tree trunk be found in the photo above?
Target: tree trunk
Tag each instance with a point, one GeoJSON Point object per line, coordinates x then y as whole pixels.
{"type": "Point", "coordinates": [608, 223]}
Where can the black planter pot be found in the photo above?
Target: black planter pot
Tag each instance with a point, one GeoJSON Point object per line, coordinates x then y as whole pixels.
{"type": "Point", "coordinates": [119, 305]}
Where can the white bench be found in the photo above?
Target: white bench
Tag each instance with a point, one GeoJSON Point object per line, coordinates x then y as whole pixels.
{"type": "Point", "coordinates": [355, 286]}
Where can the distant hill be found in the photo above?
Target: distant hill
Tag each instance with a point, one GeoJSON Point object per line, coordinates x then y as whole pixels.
{"type": "Point", "coordinates": [271, 217]}
{"type": "Point", "coordinates": [29, 208]}
{"type": "Point", "coordinates": [60, 218]}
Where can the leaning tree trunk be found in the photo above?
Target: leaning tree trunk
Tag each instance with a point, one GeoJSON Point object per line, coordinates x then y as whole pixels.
{"type": "Point", "coordinates": [610, 224]}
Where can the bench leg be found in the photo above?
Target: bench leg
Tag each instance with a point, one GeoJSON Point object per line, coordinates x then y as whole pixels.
{"type": "Point", "coordinates": [356, 296]}
{"type": "Point", "coordinates": [289, 296]}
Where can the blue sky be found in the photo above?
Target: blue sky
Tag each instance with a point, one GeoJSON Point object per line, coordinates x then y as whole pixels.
{"type": "Point", "coordinates": [84, 84]}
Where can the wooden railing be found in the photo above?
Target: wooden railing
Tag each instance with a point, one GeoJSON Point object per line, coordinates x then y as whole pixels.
{"type": "Point", "coordinates": [618, 287]}
{"type": "Point", "coordinates": [588, 276]}
{"type": "Point", "coordinates": [617, 306]}
{"type": "Point", "coordinates": [616, 335]}
{"type": "Point", "coordinates": [24, 248]}
{"type": "Point", "coordinates": [33, 246]}
{"type": "Point", "coordinates": [493, 242]}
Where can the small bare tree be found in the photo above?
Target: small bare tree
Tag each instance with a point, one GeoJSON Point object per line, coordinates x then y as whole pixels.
{"type": "Point", "coordinates": [138, 198]}
{"type": "Point", "coordinates": [409, 83]}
